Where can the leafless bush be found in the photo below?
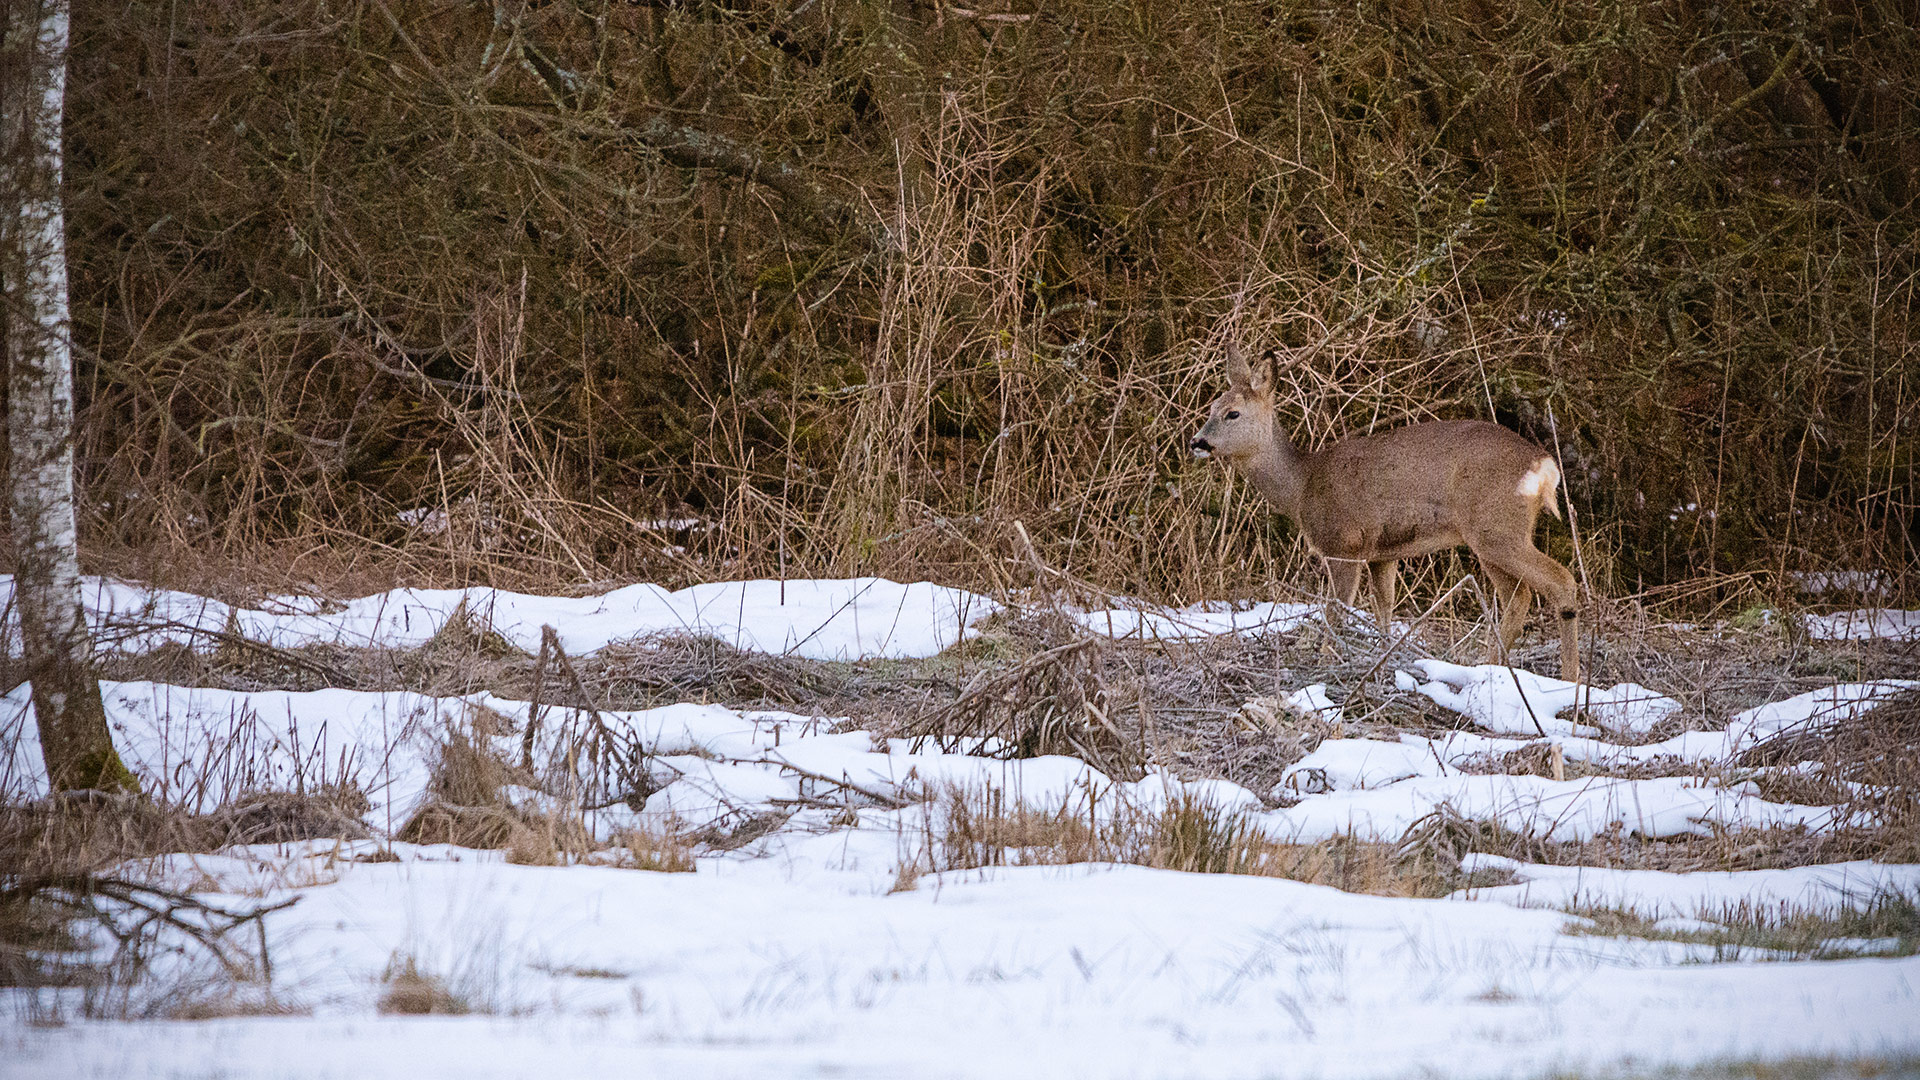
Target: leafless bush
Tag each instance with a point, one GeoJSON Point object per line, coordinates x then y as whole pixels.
{"type": "Point", "coordinates": [853, 288]}
{"type": "Point", "coordinates": [1866, 763]}
{"type": "Point", "coordinates": [88, 930]}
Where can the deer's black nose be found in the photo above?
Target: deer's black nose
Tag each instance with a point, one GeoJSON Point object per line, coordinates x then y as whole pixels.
{"type": "Point", "coordinates": [1201, 444]}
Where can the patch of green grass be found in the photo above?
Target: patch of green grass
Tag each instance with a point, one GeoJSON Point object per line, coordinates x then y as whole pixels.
{"type": "Point", "coordinates": [1754, 617]}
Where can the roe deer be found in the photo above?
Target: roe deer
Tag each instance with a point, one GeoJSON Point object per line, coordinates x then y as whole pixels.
{"type": "Point", "coordinates": [1408, 491]}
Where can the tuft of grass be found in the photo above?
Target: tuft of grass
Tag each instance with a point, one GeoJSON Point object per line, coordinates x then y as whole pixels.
{"type": "Point", "coordinates": [466, 632]}
{"type": "Point", "coordinates": [986, 828]}
{"type": "Point", "coordinates": [1201, 838]}
{"type": "Point", "coordinates": [906, 878]}
{"type": "Point", "coordinates": [225, 1001]}
{"type": "Point", "coordinates": [413, 992]}
{"type": "Point", "coordinates": [469, 803]}
{"type": "Point", "coordinates": [575, 971]}
{"type": "Point", "coordinates": [1885, 924]}
{"type": "Point", "coordinates": [657, 850]}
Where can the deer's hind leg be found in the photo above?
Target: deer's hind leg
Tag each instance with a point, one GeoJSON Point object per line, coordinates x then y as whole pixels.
{"type": "Point", "coordinates": [1511, 601]}
{"type": "Point", "coordinates": [1543, 574]}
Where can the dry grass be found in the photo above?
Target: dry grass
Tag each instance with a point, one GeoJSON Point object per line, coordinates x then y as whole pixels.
{"type": "Point", "coordinates": [1865, 1067]}
{"type": "Point", "coordinates": [470, 801]}
{"type": "Point", "coordinates": [974, 829]}
{"type": "Point", "coordinates": [656, 849]}
{"type": "Point", "coordinates": [84, 836]}
{"type": "Point", "coordinates": [1869, 763]}
{"type": "Point", "coordinates": [83, 919]}
{"type": "Point", "coordinates": [81, 910]}
{"type": "Point", "coordinates": [517, 274]}
{"type": "Point", "coordinates": [1885, 924]}
{"type": "Point", "coordinates": [412, 992]}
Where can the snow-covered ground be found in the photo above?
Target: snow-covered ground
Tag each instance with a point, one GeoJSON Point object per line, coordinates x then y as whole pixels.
{"type": "Point", "coordinates": [807, 952]}
{"type": "Point", "coordinates": [819, 619]}
{"type": "Point", "coordinates": [1199, 620]}
{"type": "Point", "coordinates": [825, 620]}
{"type": "Point", "coordinates": [794, 960]}
{"type": "Point", "coordinates": [716, 766]}
{"type": "Point", "coordinates": [1865, 623]}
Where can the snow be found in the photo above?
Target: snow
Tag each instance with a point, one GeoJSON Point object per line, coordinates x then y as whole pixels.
{"type": "Point", "coordinates": [847, 619]}
{"type": "Point", "coordinates": [808, 950]}
{"type": "Point", "coordinates": [1702, 893]}
{"type": "Point", "coordinates": [1509, 700]}
{"type": "Point", "coordinates": [1865, 624]}
{"type": "Point", "coordinates": [1559, 810]}
{"type": "Point", "coordinates": [1197, 621]}
{"type": "Point", "coordinates": [1350, 764]}
{"type": "Point", "coordinates": [796, 961]}
{"type": "Point", "coordinates": [195, 747]}
{"type": "Point", "coordinates": [1865, 582]}
{"type": "Point", "coordinates": [1488, 693]}
{"type": "Point", "coordinates": [1313, 702]}
{"type": "Point", "coordinates": [1515, 701]}
{"type": "Point", "coordinates": [822, 620]}
{"type": "Point", "coordinates": [1815, 708]}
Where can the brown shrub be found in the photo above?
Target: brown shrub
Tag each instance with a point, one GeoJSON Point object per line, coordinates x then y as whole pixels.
{"type": "Point", "coordinates": [857, 307]}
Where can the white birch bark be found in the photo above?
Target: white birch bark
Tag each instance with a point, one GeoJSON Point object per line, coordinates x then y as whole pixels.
{"type": "Point", "coordinates": [33, 284]}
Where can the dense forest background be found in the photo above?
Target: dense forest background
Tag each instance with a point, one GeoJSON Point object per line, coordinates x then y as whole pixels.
{"type": "Point", "coordinates": [498, 291]}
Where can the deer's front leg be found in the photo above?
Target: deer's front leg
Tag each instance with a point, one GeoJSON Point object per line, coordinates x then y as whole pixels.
{"type": "Point", "coordinates": [1384, 576]}
{"type": "Point", "coordinates": [1343, 575]}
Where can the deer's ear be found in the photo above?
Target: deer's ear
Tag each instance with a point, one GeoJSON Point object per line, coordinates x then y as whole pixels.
{"type": "Point", "coordinates": [1260, 373]}
{"type": "Point", "coordinates": [1239, 375]}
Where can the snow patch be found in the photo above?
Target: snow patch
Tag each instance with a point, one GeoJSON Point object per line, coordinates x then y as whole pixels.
{"type": "Point", "coordinates": [1865, 624]}
{"type": "Point", "coordinates": [1197, 621]}
{"type": "Point", "coordinates": [1868, 583]}
{"type": "Point", "coordinates": [1657, 894]}
{"type": "Point", "coordinates": [1557, 810]}
{"type": "Point", "coordinates": [1357, 764]}
{"type": "Point", "coordinates": [851, 619]}
{"type": "Point", "coordinates": [813, 948]}
{"type": "Point", "coordinates": [1514, 701]}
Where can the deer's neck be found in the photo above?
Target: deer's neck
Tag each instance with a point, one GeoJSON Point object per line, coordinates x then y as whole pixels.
{"type": "Point", "coordinates": [1278, 472]}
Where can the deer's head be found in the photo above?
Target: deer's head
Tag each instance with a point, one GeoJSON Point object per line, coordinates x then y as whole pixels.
{"type": "Point", "coordinates": [1240, 421]}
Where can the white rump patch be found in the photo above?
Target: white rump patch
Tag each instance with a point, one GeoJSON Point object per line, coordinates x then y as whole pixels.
{"type": "Point", "coordinates": [1543, 477]}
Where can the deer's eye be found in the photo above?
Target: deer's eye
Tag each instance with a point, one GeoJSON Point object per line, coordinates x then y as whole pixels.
{"type": "Point", "coordinates": [1233, 414]}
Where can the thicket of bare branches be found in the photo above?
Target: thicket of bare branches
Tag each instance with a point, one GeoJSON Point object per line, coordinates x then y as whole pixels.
{"type": "Point", "coordinates": [860, 284]}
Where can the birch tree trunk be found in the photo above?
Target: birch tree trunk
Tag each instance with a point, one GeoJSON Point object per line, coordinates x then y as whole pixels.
{"type": "Point", "coordinates": [34, 331]}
